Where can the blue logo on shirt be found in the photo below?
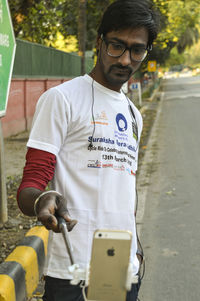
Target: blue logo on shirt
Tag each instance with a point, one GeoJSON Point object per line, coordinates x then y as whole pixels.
{"type": "Point", "coordinates": [121, 122]}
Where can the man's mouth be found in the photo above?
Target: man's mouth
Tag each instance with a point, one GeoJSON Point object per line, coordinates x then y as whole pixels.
{"type": "Point", "coordinates": [121, 70]}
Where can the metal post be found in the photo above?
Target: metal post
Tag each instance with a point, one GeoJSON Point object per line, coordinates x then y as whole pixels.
{"type": "Point", "coordinates": [3, 192]}
{"type": "Point", "coordinates": [140, 94]}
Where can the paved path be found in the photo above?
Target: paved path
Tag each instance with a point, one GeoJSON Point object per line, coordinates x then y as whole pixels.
{"type": "Point", "coordinates": [169, 210]}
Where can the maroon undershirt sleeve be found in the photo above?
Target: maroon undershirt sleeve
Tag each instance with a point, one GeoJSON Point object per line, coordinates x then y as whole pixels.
{"type": "Point", "coordinates": [39, 169]}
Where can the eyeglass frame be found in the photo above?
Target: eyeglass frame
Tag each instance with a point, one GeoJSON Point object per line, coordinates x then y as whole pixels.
{"type": "Point", "coordinates": [104, 39]}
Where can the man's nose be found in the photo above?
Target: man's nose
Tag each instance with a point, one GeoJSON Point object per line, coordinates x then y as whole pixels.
{"type": "Point", "coordinates": [125, 58]}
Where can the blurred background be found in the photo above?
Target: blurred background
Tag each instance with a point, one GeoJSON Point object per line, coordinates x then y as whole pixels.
{"type": "Point", "coordinates": [71, 26]}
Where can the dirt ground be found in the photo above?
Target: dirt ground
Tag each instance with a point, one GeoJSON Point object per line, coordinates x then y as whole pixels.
{"type": "Point", "coordinates": [15, 145]}
{"type": "Point", "coordinates": [15, 149]}
{"type": "Point", "coordinates": [18, 224]}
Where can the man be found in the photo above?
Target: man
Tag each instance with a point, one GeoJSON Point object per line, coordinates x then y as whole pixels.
{"type": "Point", "coordinates": [85, 138]}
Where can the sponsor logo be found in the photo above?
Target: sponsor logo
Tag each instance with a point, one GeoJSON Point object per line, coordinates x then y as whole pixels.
{"type": "Point", "coordinates": [119, 167]}
{"type": "Point", "coordinates": [100, 118]}
{"type": "Point", "coordinates": [94, 164]}
{"type": "Point", "coordinates": [130, 171]}
{"type": "Point", "coordinates": [121, 122]}
{"type": "Point", "coordinates": [107, 165]}
{"type": "Point", "coordinates": [121, 136]}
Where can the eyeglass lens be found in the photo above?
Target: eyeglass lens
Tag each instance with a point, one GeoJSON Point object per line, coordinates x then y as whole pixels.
{"type": "Point", "coordinates": [116, 50]}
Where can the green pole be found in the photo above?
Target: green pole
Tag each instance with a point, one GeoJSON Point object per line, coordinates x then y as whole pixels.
{"type": "Point", "coordinates": [3, 192]}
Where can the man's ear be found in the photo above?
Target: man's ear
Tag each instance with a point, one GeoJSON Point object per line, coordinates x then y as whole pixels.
{"type": "Point", "coordinates": [98, 44]}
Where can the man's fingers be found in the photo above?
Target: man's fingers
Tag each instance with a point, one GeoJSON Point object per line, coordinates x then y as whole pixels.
{"type": "Point", "coordinates": [50, 208]}
{"type": "Point", "coordinates": [71, 224]}
{"type": "Point", "coordinates": [49, 221]}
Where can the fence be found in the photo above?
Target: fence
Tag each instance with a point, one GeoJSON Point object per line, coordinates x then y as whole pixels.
{"type": "Point", "coordinates": [34, 60]}
{"type": "Point", "coordinates": [36, 69]}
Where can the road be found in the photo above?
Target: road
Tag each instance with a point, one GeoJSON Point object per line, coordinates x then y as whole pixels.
{"type": "Point", "coordinates": [170, 218]}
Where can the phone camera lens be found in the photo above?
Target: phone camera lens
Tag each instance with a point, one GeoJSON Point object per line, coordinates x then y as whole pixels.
{"type": "Point", "coordinates": [100, 234]}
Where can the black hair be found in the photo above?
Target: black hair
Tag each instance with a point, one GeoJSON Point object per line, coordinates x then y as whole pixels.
{"type": "Point", "coordinates": [123, 14]}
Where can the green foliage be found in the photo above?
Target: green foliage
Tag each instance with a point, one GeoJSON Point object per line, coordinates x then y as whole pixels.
{"type": "Point", "coordinates": [180, 21]}
{"type": "Point", "coordinates": [35, 20]}
{"type": "Point", "coordinates": [192, 56]}
{"type": "Point", "coordinates": [94, 12]}
{"type": "Point", "coordinates": [175, 58]}
{"type": "Point", "coordinates": [40, 21]}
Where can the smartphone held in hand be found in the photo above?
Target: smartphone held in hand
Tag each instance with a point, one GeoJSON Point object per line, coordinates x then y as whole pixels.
{"type": "Point", "coordinates": [109, 265]}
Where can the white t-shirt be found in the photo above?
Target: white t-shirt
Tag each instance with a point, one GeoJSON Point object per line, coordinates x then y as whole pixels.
{"type": "Point", "coordinates": [98, 184]}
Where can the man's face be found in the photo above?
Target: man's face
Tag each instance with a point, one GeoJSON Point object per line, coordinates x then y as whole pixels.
{"type": "Point", "coordinates": [113, 72]}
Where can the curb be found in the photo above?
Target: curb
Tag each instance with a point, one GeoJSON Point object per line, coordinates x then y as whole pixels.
{"type": "Point", "coordinates": [155, 92]}
{"type": "Point", "coordinates": [143, 179]}
{"type": "Point", "coordinates": [22, 269]}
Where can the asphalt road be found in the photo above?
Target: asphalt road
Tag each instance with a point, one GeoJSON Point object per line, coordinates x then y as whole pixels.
{"type": "Point", "coordinates": [170, 217]}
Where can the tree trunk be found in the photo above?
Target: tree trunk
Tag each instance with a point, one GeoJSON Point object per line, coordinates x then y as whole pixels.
{"type": "Point", "coordinates": [82, 33]}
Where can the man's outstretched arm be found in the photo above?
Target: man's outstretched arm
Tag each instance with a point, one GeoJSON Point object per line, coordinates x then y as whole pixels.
{"type": "Point", "coordinates": [31, 197]}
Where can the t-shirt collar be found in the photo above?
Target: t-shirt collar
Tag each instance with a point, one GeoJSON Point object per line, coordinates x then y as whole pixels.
{"type": "Point", "coordinates": [115, 94]}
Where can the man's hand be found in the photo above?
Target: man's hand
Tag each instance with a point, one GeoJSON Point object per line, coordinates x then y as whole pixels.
{"type": "Point", "coordinates": [49, 206]}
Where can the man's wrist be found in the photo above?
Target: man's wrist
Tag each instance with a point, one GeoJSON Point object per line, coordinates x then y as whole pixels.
{"type": "Point", "coordinates": [41, 195]}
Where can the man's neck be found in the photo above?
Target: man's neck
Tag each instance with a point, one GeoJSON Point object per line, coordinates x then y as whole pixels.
{"type": "Point", "coordinates": [102, 81]}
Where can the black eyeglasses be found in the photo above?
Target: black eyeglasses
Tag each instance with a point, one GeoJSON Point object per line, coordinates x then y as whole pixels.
{"type": "Point", "coordinates": [117, 49]}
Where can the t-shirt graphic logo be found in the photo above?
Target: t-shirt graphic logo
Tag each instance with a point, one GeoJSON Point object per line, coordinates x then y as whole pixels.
{"type": "Point", "coordinates": [121, 122]}
{"type": "Point", "coordinates": [100, 118]}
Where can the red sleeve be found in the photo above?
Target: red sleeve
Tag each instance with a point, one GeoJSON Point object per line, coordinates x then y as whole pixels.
{"type": "Point", "coordinates": [38, 170]}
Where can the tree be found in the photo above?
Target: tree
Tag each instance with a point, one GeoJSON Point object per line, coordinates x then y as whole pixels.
{"type": "Point", "coordinates": [94, 10]}
{"type": "Point", "coordinates": [192, 56]}
{"type": "Point", "coordinates": [35, 20]}
{"type": "Point", "coordinates": [179, 25]}
{"type": "Point", "coordinates": [82, 32]}
{"type": "Point", "coordinates": [40, 21]}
